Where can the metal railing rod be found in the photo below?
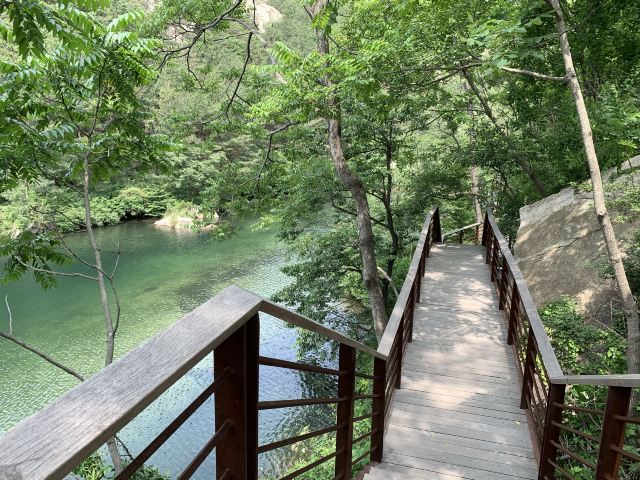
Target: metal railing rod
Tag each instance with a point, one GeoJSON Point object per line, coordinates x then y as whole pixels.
{"type": "Point", "coordinates": [299, 438]}
{"type": "Point", "coordinates": [364, 455]}
{"type": "Point", "coordinates": [561, 470]}
{"type": "Point", "coordinates": [365, 397]}
{"type": "Point", "coordinates": [575, 432]}
{"type": "Point", "coordinates": [593, 411]}
{"type": "Point", "coordinates": [627, 419]}
{"type": "Point", "coordinates": [574, 455]}
{"type": "Point", "coordinates": [625, 453]}
{"type": "Point", "coordinates": [156, 443]}
{"type": "Point", "coordinates": [305, 367]}
{"type": "Point", "coordinates": [312, 465]}
{"type": "Point", "coordinates": [366, 435]}
{"type": "Point", "coordinates": [205, 451]}
{"type": "Point", "coordinates": [364, 417]}
{"type": "Point", "coordinates": [272, 404]}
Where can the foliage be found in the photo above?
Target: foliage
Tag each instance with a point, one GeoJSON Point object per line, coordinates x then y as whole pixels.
{"type": "Point", "coordinates": [584, 349]}
{"type": "Point", "coordinates": [95, 468]}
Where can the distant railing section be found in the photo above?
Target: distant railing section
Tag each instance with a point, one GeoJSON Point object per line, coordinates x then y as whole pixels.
{"type": "Point", "coordinates": [399, 331]}
{"type": "Point", "coordinates": [563, 449]}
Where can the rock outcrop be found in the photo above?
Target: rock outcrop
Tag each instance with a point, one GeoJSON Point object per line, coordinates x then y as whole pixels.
{"type": "Point", "coordinates": [560, 249]}
{"type": "Point", "coordinates": [264, 13]}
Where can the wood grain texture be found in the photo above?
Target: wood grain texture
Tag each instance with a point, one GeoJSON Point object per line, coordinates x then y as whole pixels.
{"type": "Point", "coordinates": [298, 320]}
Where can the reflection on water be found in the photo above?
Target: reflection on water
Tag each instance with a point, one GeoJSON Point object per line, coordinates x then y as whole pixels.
{"type": "Point", "coordinates": [162, 274]}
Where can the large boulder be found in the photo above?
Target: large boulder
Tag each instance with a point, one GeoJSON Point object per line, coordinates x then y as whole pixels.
{"type": "Point", "coordinates": [560, 249]}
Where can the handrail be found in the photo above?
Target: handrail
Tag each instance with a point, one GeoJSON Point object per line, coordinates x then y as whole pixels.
{"type": "Point", "coordinates": [546, 350]}
{"type": "Point", "coordinates": [461, 229]}
{"type": "Point", "coordinates": [294, 318]}
{"type": "Point", "coordinates": [621, 380]}
{"type": "Point", "coordinates": [50, 443]}
{"type": "Point", "coordinates": [44, 445]}
{"type": "Point", "coordinates": [390, 332]}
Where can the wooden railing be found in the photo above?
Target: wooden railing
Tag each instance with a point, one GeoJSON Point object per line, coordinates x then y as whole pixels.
{"type": "Point", "coordinates": [558, 418]}
{"type": "Point", "coordinates": [49, 444]}
{"type": "Point", "coordinates": [52, 442]}
{"type": "Point", "coordinates": [399, 329]}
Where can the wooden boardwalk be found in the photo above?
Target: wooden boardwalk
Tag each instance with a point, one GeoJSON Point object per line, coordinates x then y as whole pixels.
{"type": "Point", "coordinates": [457, 414]}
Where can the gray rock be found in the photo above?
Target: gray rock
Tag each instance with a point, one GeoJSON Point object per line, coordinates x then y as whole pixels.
{"type": "Point", "coordinates": [560, 249]}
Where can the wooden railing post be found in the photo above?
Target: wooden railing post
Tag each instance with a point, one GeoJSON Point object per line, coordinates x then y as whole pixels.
{"type": "Point", "coordinates": [412, 303]}
{"type": "Point", "coordinates": [236, 401]}
{"type": "Point", "coordinates": [608, 466]}
{"type": "Point", "coordinates": [378, 405]}
{"type": "Point", "coordinates": [494, 258]}
{"type": "Point", "coordinates": [346, 390]}
{"type": "Point", "coordinates": [485, 229]}
{"type": "Point", "coordinates": [489, 244]}
{"type": "Point", "coordinates": [529, 365]}
{"type": "Point", "coordinates": [420, 274]}
{"type": "Point", "coordinates": [400, 351]}
{"type": "Point", "coordinates": [551, 435]}
{"type": "Point", "coordinates": [437, 227]}
{"type": "Point", "coordinates": [514, 311]}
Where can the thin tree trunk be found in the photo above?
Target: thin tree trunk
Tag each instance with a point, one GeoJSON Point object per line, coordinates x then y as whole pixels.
{"type": "Point", "coordinates": [355, 186]}
{"type": "Point", "coordinates": [395, 239]}
{"type": "Point", "coordinates": [474, 174]}
{"type": "Point", "coordinates": [615, 257]}
{"type": "Point", "coordinates": [526, 168]}
{"type": "Point", "coordinates": [104, 298]}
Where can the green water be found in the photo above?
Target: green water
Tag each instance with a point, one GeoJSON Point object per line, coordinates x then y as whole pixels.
{"type": "Point", "coordinates": [162, 275]}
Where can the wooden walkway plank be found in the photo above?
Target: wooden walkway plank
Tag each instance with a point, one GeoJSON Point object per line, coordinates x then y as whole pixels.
{"type": "Point", "coordinates": [457, 414]}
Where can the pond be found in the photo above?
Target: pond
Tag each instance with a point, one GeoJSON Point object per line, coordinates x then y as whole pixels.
{"type": "Point", "coordinates": [162, 274]}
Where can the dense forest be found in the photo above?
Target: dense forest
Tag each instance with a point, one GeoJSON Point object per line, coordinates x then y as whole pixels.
{"type": "Point", "coordinates": [338, 123]}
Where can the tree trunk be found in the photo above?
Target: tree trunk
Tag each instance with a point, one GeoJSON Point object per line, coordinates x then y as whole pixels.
{"type": "Point", "coordinates": [365, 230]}
{"type": "Point", "coordinates": [615, 257]}
{"type": "Point", "coordinates": [104, 298]}
{"type": "Point", "coordinates": [395, 239]}
{"type": "Point", "coordinates": [526, 168]}
{"type": "Point", "coordinates": [355, 186]}
{"type": "Point", "coordinates": [474, 174]}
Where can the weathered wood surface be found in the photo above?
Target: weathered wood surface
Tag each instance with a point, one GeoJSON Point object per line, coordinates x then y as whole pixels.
{"type": "Point", "coordinates": [457, 414]}
{"type": "Point", "coordinates": [51, 442]}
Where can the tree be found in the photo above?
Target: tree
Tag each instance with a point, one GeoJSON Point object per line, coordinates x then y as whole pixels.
{"type": "Point", "coordinates": [74, 118]}
{"type": "Point", "coordinates": [499, 35]}
{"type": "Point", "coordinates": [613, 249]}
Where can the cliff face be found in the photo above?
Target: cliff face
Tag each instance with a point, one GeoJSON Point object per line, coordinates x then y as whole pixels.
{"type": "Point", "coordinates": [560, 250]}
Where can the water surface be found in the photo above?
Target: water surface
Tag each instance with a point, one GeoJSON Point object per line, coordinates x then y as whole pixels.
{"type": "Point", "coordinates": [162, 274]}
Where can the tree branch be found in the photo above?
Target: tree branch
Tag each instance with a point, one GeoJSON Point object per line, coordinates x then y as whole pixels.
{"type": "Point", "coordinates": [539, 76]}
{"type": "Point", "coordinates": [42, 355]}
{"type": "Point", "coordinates": [53, 272]}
